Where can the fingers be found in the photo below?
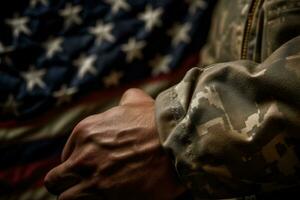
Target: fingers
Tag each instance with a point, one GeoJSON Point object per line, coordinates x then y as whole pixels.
{"type": "Point", "coordinates": [135, 95]}
{"type": "Point", "coordinates": [61, 178]}
{"type": "Point", "coordinates": [77, 133]}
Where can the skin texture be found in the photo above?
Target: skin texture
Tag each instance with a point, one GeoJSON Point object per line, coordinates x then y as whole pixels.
{"type": "Point", "coordinates": [116, 155]}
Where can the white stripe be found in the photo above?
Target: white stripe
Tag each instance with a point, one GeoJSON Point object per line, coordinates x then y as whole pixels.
{"type": "Point", "coordinates": [33, 194]}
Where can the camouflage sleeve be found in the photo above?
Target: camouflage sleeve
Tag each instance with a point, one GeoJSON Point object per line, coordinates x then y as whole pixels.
{"type": "Point", "coordinates": [234, 128]}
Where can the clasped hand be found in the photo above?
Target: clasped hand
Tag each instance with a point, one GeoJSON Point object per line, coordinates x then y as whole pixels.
{"type": "Point", "coordinates": [116, 155]}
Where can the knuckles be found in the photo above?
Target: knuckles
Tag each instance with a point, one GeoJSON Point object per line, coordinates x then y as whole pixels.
{"type": "Point", "coordinates": [135, 96]}
{"type": "Point", "coordinates": [48, 183]}
{"type": "Point", "coordinates": [84, 129]}
{"type": "Point", "coordinates": [97, 126]}
{"type": "Point", "coordinates": [131, 92]}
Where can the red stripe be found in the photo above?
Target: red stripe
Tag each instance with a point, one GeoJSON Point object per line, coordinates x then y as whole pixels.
{"type": "Point", "coordinates": [106, 94]}
{"type": "Point", "coordinates": [31, 175]}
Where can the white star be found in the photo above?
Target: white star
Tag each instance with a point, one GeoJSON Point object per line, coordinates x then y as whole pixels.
{"type": "Point", "coordinates": [5, 49]}
{"type": "Point", "coordinates": [64, 94]}
{"type": "Point", "coordinates": [151, 17]}
{"type": "Point", "coordinates": [5, 58]}
{"type": "Point", "coordinates": [71, 15]}
{"type": "Point", "coordinates": [113, 78]}
{"type": "Point", "coordinates": [18, 25]}
{"type": "Point", "coordinates": [34, 78]}
{"type": "Point", "coordinates": [179, 33]}
{"type": "Point", "coordinates": [118, 5]}
{"type": "Point", "coordinates": [10, 106]}
{"type": "Point", "coordinates": [33, 3]}
{"type": "Point", "coordinates": [102, 32]}
{"type": "Point", "coordinates": [86, 65]}
{"type": "Point", "coordinates": [195, 4]}
{"type": "Point", "coordinates": [53, 46]}
{"type": "Point", "coordinates": [2, 48]}
{"type": "Point", "coordinates": [160, 64]}
{"type": "Point", "coordinates": [133, 49]}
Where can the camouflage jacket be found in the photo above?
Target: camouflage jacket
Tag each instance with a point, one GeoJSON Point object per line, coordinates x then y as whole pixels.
{"type": "Point", "coordinates": [233, 127]}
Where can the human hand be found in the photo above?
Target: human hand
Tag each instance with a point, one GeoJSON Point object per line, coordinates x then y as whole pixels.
{"type": "Point", "coordinates": [116, 155]}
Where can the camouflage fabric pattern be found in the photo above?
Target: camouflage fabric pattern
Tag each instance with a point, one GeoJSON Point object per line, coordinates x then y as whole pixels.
{"type": "Point", "coordinates": [233, 127]}
{"type": "Point", "coordinates": [271, 23]}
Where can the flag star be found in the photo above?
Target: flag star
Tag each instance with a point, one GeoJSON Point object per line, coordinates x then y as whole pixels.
{"type": "Point", "coordinates": [5, 58]}
{"type": "Point", "coordinates": [2, 48]}
{"type": "Point", "coordinates": [64, 94]}
{"type": "Point", "coordinates": [18, 25]}
{"type": "Point", "coordinates": [117, 5]}
{"type": "Point", "coordinates": [196, 4]}
{"type": "Point", "coordinates": [71, 15]}
{"type": "Point", "coordinates": [179, 33]}
{"type": "Point", "coordinates": [113, 78]}
{"type": "Point", "coordinates": [133, 49]}
{"type": "Point", "coordinates": [53, 46]}
{"type": "Point", "coordinates": [34, 78]}
{"type": "Point", "coordinates": [161, 64]}
{"type": "Point", "coordinates": [10, 106]}
{"type": "Point", "coordinates": [102, 32]}
{"type": "Point", "coordinates": [86, 65]}
{"type": "Point", "coordinates": [33, 3]}
{"type": "Point", "coordinates": [5, 49]}
{"type": "Point", "coordinates": [151, 17]}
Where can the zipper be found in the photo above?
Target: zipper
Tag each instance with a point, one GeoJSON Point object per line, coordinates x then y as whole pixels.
{"type": "Point", "coordinates": [250, 17]}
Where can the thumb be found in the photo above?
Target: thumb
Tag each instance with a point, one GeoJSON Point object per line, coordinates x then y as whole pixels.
{"type": "Point", "coordinates": [135, 96]}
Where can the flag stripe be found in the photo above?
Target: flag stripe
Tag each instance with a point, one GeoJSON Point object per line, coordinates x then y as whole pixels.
{"type": "Point", "coordinates": [30, 194]}
{"type": "Point", "coordinates": [26, 177]}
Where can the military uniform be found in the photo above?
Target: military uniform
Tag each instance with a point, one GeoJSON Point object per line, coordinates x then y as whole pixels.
{"type": "Point", "coordinates": [233, 128]}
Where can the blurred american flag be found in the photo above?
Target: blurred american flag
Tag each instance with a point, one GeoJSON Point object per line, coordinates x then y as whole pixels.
{"type": "Point", "coordinates": [54, 52]}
